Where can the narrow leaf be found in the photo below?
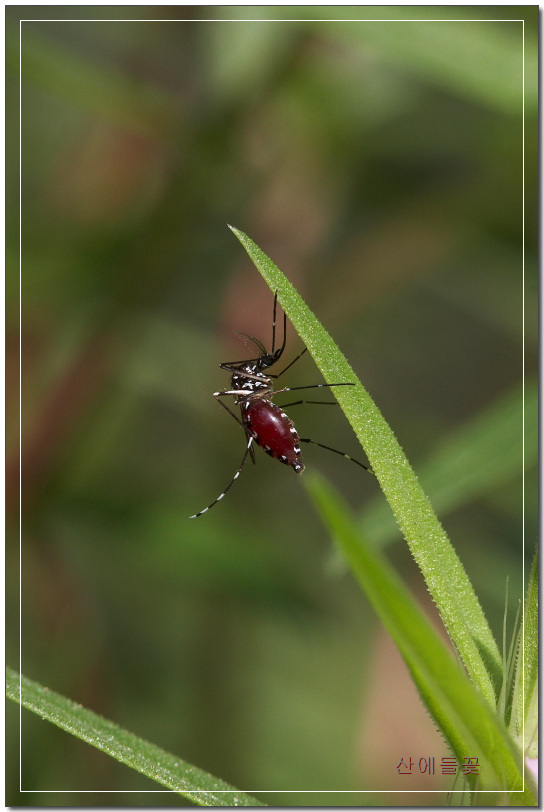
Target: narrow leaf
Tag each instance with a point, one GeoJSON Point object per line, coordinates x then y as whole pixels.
{"type": "Point", "coordinates": [172, 772]}
{"type": "Point", "coordinates": [469, 725]}
{"type": "Point", "coordinates": [472, 461]}
{"type": "Point", "coordinates": [526, 690]}
{"type": "Point", "coordinates": [443, 572]}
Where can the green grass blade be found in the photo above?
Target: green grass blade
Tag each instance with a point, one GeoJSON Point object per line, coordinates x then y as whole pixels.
{"type": "Point", "coordinates": [526, 687]}
{"type": "Point", "coordinates": [469, 725]}
{"type": "Point", "coordinates": [177, 775]}
{"type": "Point", "coordinates": [472, 461]}
{"type": "Point", "coordinates": [443, 572]}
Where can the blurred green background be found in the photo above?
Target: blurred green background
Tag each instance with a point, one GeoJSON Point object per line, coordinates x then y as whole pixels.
{"type": "Point", "coordinates": [380, 165]}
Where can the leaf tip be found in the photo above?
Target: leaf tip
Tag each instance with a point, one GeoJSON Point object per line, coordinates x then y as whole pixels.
{"type": "Point", "coordinates": [237, 233]}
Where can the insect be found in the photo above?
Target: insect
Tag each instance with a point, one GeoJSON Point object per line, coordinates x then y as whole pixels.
{"type": "Point", "coordinates": [263, 422]}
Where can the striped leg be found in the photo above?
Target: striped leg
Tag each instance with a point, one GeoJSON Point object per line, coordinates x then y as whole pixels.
{"type": "Point", "coordinates": [217, 395]}
{"type": "Point", "coordinates": [312, 386]}
{"type": "Point", "coordinates": [342, 454]}
{"type": "Point", "coordinates": [312, 402]}
{"type": "Point", "coordinates": [289, 365]}
{"type": "Point", "coordinates": [231, 483]}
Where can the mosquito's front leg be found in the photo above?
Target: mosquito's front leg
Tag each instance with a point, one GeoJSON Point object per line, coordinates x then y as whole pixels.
{"type": "Point", "coordinates": [289, 365]}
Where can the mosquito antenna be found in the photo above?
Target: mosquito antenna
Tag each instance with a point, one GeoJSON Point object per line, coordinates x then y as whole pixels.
{"type": "Point", "coordinates": [259, 344]}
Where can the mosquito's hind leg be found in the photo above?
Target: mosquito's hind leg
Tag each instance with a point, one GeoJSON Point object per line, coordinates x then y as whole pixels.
{"type": "Point", "coordinates": [231, 483]}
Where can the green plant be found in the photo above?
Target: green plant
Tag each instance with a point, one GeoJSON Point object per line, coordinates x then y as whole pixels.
{"type": "Point", "coordinates": [172, 772]}
{"type": "Point", "coordinates": [463, 705]}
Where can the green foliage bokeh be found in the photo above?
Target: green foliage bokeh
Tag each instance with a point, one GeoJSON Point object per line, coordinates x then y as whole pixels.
{"type": "Point", "coordinates": [379, 163]}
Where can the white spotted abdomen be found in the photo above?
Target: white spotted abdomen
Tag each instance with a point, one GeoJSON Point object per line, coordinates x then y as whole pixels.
{"type": "Point", "coordinates": [274, 431]}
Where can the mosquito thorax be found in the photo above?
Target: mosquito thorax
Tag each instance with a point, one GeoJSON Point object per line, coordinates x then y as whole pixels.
{"type": "Point", "coordinates": [249, 378]}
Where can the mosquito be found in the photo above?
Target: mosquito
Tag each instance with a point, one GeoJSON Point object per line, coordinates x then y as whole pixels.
{"type": "Point", "coordinates": [264, 422]}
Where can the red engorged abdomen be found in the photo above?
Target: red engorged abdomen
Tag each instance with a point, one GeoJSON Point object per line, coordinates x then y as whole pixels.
{"type": "Point", "coordinates": [273, 431]}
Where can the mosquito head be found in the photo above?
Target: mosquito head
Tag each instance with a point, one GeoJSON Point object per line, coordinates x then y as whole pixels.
{"type": "Point", "coordinates": [268, 359]}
